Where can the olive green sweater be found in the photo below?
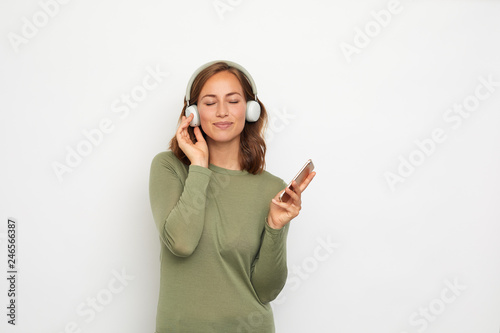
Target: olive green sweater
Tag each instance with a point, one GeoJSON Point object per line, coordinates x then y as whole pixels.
{"type": "Point", "coordinates": [221, 263]}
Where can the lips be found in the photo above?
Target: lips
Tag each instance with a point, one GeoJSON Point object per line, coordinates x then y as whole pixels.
{"type": "Point", "coordinates": [223, 124]}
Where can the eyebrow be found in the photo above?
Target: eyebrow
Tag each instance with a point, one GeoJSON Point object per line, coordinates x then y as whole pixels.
{"type": "Point", "coordinates": [214, 96]}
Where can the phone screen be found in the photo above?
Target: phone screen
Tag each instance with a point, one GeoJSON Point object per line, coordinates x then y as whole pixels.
{"type": "Point", "coordinates": [299, 178]}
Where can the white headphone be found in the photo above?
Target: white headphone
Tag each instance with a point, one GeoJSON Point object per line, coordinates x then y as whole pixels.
{"type": "Point", "coordinates": [253, 107]}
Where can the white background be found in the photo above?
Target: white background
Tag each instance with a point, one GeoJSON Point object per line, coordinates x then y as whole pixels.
{"type": "Point", "coordinates": [396, 250]}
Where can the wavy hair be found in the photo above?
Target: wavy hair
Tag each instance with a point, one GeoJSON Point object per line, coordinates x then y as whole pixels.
{"type": "Point", "coordinates": [252, 153]}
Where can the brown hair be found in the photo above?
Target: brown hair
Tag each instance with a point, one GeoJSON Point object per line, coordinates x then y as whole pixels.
{"type": "Point", "coordinates": [252, 154]}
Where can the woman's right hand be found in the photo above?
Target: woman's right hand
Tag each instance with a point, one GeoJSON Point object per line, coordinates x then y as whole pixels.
{"type": "Point", "coordinates": [196, 152]}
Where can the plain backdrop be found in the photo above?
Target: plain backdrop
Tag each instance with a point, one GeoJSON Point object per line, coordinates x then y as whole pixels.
{"type": "Point", "coordinates": [396, 102]}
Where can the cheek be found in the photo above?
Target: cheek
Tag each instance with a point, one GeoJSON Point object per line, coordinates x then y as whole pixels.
{"type": "Point", "coordinates": [240, 112]}
{"type": "Point", "coordinates": [204, 114]}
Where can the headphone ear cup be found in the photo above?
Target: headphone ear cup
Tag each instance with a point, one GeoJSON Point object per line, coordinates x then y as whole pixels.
{"type": "Point", "coordinates": [196, 119]}
{"type": "Point", "coordinates": [253, 111]}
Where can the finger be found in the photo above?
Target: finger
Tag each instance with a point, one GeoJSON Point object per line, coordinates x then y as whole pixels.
{"type": "Point", "coordinates": [292, 201]}
{"type": "Point", "coordinates": [181, 136]}
{"type": "Point", "coordinates": [306, 182]}
{"type": "Point", "coordinates": [182, 125]}
{"type": "Point", "coordinates": [291, 210]}
{"type": "Point", "coordinates": [178, 134]}
{"type": "Point", "coordinates": [186, 120]}
{"type": "Point", "coordinates": [185, 123]}
{"type": "Point", "coordinates": [293, 194]}
{"type": "Point", "coordinates": [296, 188]}
{"type": "Point", "coordinates": [199, 136]}
{"type": "Point", "coordinates": [279, 203]}
{"type": "Point", "coordinates": [277, 196]}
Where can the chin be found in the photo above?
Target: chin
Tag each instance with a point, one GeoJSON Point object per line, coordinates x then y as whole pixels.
{"type": "Point", "coordinates": [221, 139]}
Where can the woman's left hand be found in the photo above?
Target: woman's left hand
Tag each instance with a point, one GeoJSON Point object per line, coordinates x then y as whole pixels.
{"type": "Point", "coordinates": [280, 213]}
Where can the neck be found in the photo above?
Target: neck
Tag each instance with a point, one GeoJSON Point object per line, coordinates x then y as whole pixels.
{"type": "Point", "coordinates": [224, 154]}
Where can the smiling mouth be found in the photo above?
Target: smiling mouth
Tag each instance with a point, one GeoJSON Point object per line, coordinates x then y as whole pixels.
{"type": "Point", "coordinates": [223, 125]}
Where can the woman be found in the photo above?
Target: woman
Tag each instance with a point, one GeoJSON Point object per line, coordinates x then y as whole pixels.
{"type": "Point", "coordinates": [222, 227]}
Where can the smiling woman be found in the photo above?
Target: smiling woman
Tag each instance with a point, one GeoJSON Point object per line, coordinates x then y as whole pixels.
{"type": "Point", "coordinates": [224, 80]}
{"type": "Point", "coordinates": [222, 109]}
{"type": "Point", "coordinates": [222, 230]}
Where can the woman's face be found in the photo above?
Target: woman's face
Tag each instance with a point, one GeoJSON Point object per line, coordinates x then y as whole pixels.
{"type": "Point", "coordinates": [222, 108]}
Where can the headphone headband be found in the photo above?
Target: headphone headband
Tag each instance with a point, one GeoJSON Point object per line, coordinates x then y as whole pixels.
{"type": "Point", "coordinates": [230, 64]}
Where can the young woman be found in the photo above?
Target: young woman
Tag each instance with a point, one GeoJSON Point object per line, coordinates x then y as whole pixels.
{"type": "Point", "coordinates": [222, 227]}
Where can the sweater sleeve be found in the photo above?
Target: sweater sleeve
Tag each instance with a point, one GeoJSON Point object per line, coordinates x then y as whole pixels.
{"type": "Point", "coordinates": [178, 207]}
{"type": "Point", "coordinates": [269, 270]}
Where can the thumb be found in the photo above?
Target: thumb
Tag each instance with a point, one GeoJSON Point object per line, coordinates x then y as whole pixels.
{"type": "Point", "coordinates": [199, 136]}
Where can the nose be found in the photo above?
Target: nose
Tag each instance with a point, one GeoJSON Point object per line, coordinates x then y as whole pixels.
{"type": "Point", "coordinates": [222, 110]}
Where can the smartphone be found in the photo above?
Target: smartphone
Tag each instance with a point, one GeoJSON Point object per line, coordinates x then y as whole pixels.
{"type": "Point", "coordinates": [299, 178]}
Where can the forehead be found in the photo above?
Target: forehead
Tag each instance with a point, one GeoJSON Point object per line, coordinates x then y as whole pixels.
{"type": "Point", "coordinates": [222, 82]}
